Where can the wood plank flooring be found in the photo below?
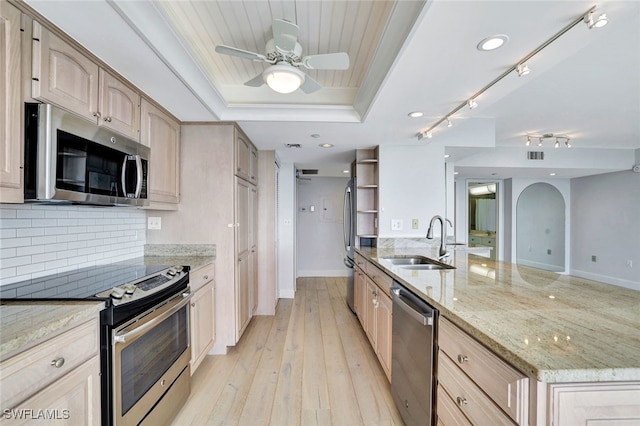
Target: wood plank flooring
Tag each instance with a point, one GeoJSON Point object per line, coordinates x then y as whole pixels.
{"type": "Point", "coordinates": [310, 364]}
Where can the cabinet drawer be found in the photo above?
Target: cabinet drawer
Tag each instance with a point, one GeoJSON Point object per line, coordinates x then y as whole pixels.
{"type": "Point", "coordinates": [361, 261]}
{"type": "Point", "coordinates": [448, 413]}
{"type": "Point", "coordinates": [381, 279]}
{"type": "Point", "coordinates": [199, 277]}
{"type": "Point", "coordinates": [508, 388]}
{"type": "Point", "coordinates": [475, 240]}
{"type": "Point", "coordinates": [25, 374]}
{"type": "Point", "coordinates": [488, 241]}
{"type": "Point", "coordinates": [475, 405]}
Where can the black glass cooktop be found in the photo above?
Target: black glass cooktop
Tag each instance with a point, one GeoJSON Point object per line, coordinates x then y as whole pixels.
{"type": "Point", "coordinates": [79, 284]}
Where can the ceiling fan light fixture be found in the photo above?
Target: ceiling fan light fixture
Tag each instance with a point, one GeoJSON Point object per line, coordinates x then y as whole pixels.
{"type": "Point", "coordinates": [283, 78]}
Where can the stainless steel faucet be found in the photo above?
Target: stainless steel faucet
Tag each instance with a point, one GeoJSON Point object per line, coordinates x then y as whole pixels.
{"type": "Point", "coordinates": [442, 253]}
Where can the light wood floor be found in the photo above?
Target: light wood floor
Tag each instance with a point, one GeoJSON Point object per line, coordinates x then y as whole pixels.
{"type": "Point", "coordinates": [310, 364]}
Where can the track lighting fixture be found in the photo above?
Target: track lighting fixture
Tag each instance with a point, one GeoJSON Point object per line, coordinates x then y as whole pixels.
{"type": "Point", "coordinates": [449, 123]}
{"type": "Point", "coordinates": [600, 22]}
{"type": "Point", "coordinates": [541, 138]}
{"type": "Point", "coordinates": [429, 134]}
{"type": "Point", "coordinates": [522, 70]}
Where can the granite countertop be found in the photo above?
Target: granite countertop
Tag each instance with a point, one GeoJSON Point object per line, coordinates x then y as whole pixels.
{"type": "Point", "coordinates": [554, 328]}
{"type": "Point", "coordinates": [193, 255]}
{"type": "Point", "coordinates": [25, 324]}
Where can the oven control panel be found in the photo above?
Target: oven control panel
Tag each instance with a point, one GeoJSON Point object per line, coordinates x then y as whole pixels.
{"type": "Point", "coordinates": [145, 286]}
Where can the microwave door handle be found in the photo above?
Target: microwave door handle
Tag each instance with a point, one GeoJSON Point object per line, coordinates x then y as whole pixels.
{"type": "Point", "coordinates": [124, 175]}
{"type": "Point", "coordinates": [138, 176]}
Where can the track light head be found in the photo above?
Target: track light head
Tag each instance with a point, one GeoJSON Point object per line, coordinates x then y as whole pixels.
{"type": "Point", "coordinates": [429, 134]}
{"type": "Point", "coordinates": [522, 70]}
{"type": "Point", "coordinates": [472, 103]}
{"type": "Point", "coordinates": [600, 22]}
{"type": "Point", "coordinates": [540, 141]}
{"type": "Point", "coordinates": [528, 140]}
{"type": "Point", "coordinates": [557, 144]}
{"type": "Point", "coordinates": [449, 123]}
{"type": "Point", "coordinates": [568, 144]}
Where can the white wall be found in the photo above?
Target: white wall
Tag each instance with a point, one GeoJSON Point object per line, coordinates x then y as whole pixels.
{"type": "Point", "coordinates": [287, 231]}
{"type": "Point", "coordinates": [320, 246]}
{"type": "Point", "coordinates": [411, 186]}
{"type": "Point", "coordinates": [38, 239]}
{"type": "Point", "coordinates": [605, 217]}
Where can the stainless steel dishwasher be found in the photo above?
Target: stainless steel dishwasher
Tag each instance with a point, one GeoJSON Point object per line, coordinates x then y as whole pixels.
{"type": "Point", "coordinates": [413, 356]}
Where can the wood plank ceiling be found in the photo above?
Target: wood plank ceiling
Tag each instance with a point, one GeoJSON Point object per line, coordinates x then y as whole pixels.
{"type": "Point", "coordinates": [326, 26]}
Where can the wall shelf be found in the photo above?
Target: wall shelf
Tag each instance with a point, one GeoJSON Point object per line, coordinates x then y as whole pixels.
{"type": "Point", "coordinates": [366, 167]}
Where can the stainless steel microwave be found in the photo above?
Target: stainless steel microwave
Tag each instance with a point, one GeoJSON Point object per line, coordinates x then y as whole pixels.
{"type": "Point", "coordinates": [70, 159]}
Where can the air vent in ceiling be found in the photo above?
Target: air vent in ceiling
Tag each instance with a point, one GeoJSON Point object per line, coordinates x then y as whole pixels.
{"type": "Point", "coordinates": [535, 155]}
{"type": "Point", "coordinates": [309, 171]}
{"type": "Point", "coordinates": [294, 145]}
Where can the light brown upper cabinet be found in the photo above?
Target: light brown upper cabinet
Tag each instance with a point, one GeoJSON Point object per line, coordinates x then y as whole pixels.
{"type": "Point", "coordinates": [62, 75]}
{"type": "Point", "coordinates": [10, 106]}
{"type": "Point", "coordinates": [161, 133]}
{"type": "Point", "coordinates": [246, 159]}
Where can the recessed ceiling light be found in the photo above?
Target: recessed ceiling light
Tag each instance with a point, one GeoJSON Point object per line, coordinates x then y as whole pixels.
{"type": "Point", "coordinates": [552, 174]}
{"type": "Point", "coordinates": [416, 114]}
{"type": "Point", "coordinates": [447, 156]}
{"type": "Point", "coordinates": [326, 145]}
{"type": "Point", "coordinates": [492, 43]}
{"type": "Point", "coordinates": [345, 171]}
{"type": "Point", "coordinates": [315, 136]}
{"type": "Point", "coordinates": [456, 173]}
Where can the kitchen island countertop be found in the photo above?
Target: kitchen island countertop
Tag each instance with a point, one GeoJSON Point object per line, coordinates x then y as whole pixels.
{"type": "Point", "coordinates": [554, 328]}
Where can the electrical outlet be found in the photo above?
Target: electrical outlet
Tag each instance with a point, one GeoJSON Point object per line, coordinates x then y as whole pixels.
{"type": "Point", "coordinates": [593, 257]}
{"type": "Point", "coordinates": [396, 224]}
{"type": "Point", "coordinates": [415, 224]}
{"type": "Point", "coordinates": [154, 223]}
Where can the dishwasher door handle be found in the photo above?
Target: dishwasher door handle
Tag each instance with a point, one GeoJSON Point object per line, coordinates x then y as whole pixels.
{"type": "Point", "coordinates": [423, 318]}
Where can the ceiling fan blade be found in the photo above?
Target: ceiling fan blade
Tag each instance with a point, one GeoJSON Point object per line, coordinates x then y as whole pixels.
{"type": "Point", "coordinates": [328, 61]}
{"type": "Point", "coordinates": [245, 54]}
{"type": "Point", "coordinates": [285, 34]}
{"type": "Point", "coordinates": [310, 85]}
{"type": "Point", "coordinates": [256, 81]}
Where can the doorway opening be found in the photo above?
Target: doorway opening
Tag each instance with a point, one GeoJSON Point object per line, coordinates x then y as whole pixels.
{"type": "Point", "coordinates": [483, 215]}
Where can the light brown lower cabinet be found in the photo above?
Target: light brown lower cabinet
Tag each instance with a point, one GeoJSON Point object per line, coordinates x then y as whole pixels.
{"type": "Point", "coordinates": [374, 310]}
{"type": "Point", "coordinates": [59, 377]}
{"type": "Point", "coordinates": [202, 319]}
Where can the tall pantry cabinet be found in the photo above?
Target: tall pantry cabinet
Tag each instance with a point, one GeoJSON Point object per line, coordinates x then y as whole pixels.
{"type": "Point", "coordinates": [218, 205]}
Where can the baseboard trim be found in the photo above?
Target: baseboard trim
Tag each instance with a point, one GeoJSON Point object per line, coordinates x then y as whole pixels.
{"type": "Point", "coordinates": [633, 285]}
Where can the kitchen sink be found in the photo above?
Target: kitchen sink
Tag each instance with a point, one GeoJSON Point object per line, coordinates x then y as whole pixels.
{"type": "Point", "coordinates": [416, 263]}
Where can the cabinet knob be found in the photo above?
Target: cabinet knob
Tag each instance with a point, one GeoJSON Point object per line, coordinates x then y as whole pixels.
{"type": "Point", "coordinates": [462, 358]}
{"type": "Point", "coordinates": [461, 401]}
{"type": "Point", "coordinates": [57, 363]}
{"type": "Point", "coordinates": [107, 119]}
{"type": "Point", "coordinates": [193, 305]}
{"type": "Point", "coordinates": [96, 114]}
{"type": "Point", "coordinates": [206, 277]}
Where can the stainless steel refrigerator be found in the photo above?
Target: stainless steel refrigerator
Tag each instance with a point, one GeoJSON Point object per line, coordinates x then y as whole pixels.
{"type": "Point", "coordinates": [349, 231]}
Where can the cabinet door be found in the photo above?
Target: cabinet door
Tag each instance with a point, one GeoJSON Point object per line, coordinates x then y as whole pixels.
{"type": "Point", "coordinates": [119, 106]}
{"type": "Point", "coordinates": [74, 398]}
{"type": "Point", "coordinates": [254, 166]}
{"type": "Point", "coordinates": [243, 201]}
{"type": "Point", "coordinates": [162, 134]}
{"type": "Point", "coordinates": [63, 76]}
{"type": "Point", "coordinates": [202, 324]}
{"type": "Point", "coordinates": [10, 106]}
{"type": "Point", "coordinates": [242, 295]}
{"type": "Point", "coordinates": [243, 156]}
{"type": "Point", "coordinates": [383, 332]}
{"type": "Point", "coordinates": [372, 301]}
{"type": "Point", "coordinates": [360, 295]}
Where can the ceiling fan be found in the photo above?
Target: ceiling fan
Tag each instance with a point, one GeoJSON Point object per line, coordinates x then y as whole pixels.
{"type": "Point", "coordinates": [283, 53]}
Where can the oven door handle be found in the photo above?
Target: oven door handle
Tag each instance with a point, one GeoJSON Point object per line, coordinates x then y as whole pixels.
{"type": "Point", "coordinates": [126, 335]}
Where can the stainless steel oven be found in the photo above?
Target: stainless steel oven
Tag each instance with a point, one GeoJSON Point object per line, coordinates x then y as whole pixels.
{"type": "Point", "coordinates": [151, 356]}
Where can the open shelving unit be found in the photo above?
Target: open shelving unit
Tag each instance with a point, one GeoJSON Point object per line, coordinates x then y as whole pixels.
{"type": "Point", "coordinates": [367, 193]}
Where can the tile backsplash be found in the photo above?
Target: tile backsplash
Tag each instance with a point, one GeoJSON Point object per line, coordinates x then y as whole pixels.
{"type": "Point", "coordinates": [38, 240]}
